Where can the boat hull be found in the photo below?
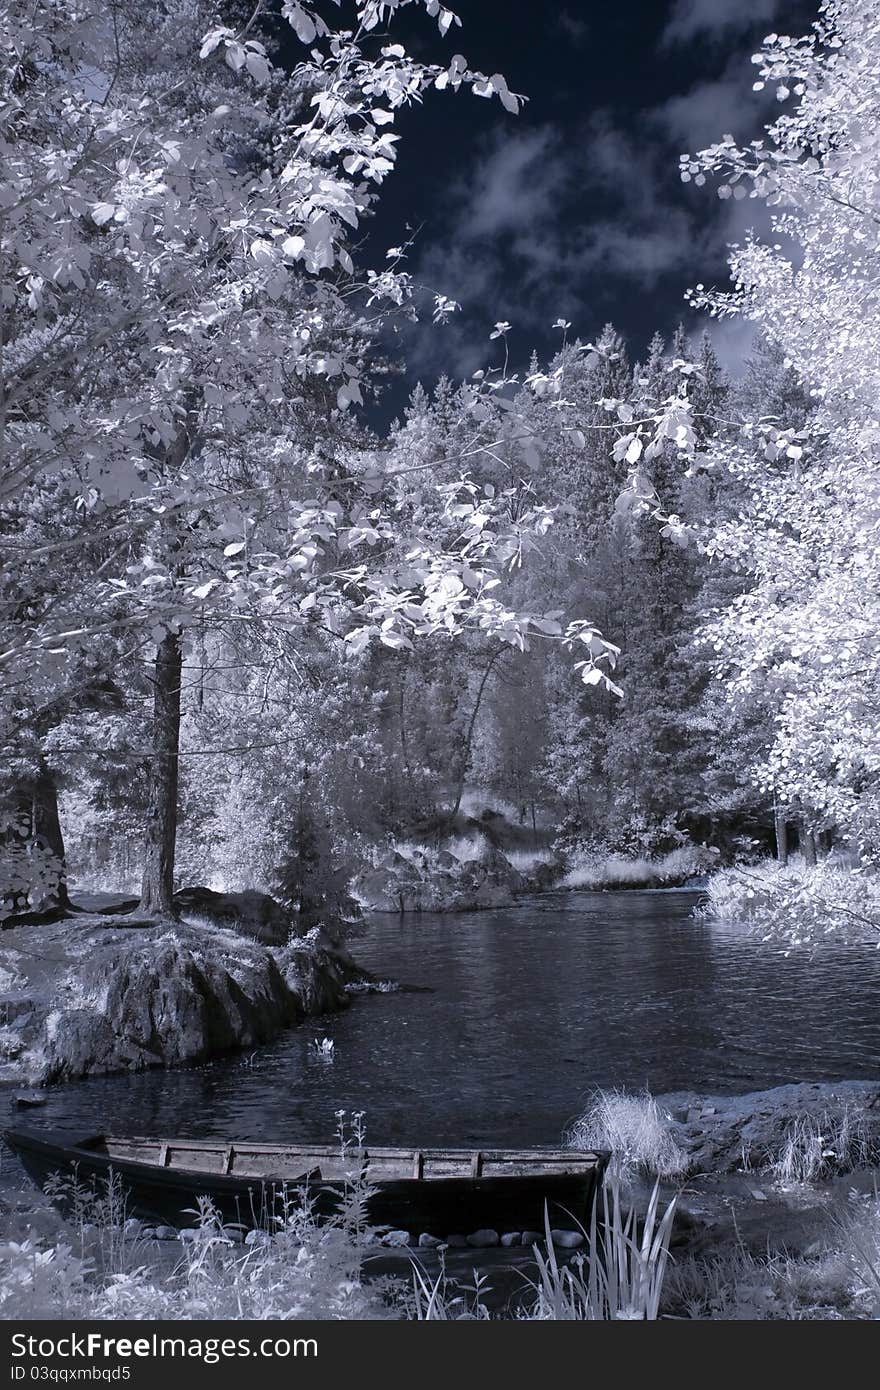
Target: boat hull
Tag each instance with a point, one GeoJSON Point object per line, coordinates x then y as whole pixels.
{"type": "Point", "coordinates": [439, 1206]}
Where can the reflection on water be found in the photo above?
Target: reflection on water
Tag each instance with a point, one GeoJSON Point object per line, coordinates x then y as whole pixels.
{"type": "Point", "coordinates": [531, 1007]}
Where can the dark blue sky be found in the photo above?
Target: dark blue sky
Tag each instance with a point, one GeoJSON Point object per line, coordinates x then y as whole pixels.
{"type": "Point", "coordinates": [574, 208]}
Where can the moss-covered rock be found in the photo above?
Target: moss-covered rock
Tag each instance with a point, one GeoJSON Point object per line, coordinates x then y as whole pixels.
{"type": "Point", "coordinates": [97, 995]}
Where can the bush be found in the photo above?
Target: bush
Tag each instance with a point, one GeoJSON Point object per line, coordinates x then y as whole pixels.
{"type": "Point", "coordinates": [798, 904]}
{"type": "Point", "coordinates": [815, 1149]}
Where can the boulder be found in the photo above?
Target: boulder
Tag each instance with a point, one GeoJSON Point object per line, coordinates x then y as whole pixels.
{"type": "Point", "coordinates": [483, 1240]}
{"type": "Point", "coordinates": [111, 997]}
{"type": "Point", "coordinates": [438, 882]}
{"type": "Point", "coordinates": [253, 914]}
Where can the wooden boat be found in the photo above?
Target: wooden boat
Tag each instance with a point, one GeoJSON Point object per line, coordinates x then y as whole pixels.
{"type": "Point", "coordinates": [439, 1191]}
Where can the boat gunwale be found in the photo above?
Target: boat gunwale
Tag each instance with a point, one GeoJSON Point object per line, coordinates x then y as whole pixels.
{"type": "Point", "coordinates": [567, 1163]}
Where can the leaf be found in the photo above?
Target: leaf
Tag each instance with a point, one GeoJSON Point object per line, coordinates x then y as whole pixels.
{"type": "Point", "coordinates": [634, 452]}
{"type": "Point", "coordinates": [102, 213]}
{"type": "Point", "coordinates": [258, 67]}
{"type": "Point", "coordinates": [235, 548]}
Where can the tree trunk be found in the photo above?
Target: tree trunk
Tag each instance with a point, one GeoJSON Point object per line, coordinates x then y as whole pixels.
{"type": "Point", "coordinates": [781, 835]}
{"type": "Point", "coordinates": [466, 753]}
{"type": "Point", "coordinates": [46, 827]}
{"type": "Point", "coordinates": [157, 891]}
{"type": "Point", "coordinates": [808, 845]}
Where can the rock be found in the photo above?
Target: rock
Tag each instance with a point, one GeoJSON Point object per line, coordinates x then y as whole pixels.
{"type": "Point", "coordinates": [395, 1238]}
{"type": "Point", "coordinates": [438, 882]}
{"type": "Point", "coordinates": [133, 1228]}
{"type": "Point", "coordinates": [165, 1233]}
{"type": "Point", "coordinates": [189, 1236]}
{"type": "Point", "coordinates": [532, 1238]}
{"type": "Point", "coordinates": [723, 1133]}
{"type": "Point", "coordinates": [511, 1238]}
{"type": "Point", "coordinates": [253, 914]}
{"type": "Point", "coordinates": [567, 1240]}
{"type": "Point", "coordinates": [28, 1099]}
{"type": "Point", "coordinates": [483, 1240]}
{"type": "Point", "coordinates": [429, 1242]}
{"type": "Point", "coordinates": [456, 1242]}
{"type": "Point", "coordinates": [112, 997]}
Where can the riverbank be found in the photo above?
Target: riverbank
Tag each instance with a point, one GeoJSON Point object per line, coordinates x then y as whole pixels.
{"type": "Point", "coordinates": [98, 994]}
{"type": "Point", "coordinates": [748, 1241]}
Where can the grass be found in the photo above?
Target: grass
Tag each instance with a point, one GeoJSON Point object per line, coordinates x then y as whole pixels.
{"type": "Point", "coordinates": [640, 1136]}
{"type": "Point", "coordinates": [619, 1278]}
{"type": "Point", "coordinates": [593, 871]}
{"type": "Point", "coordinates": [740, 1286]}
{"type": "Point", "coordinates": [816, 1148]}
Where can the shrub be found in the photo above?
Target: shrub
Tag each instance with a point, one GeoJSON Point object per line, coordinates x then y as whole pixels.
{"type": "Point", "coordinates": [592, 870]}
{"type": "Point", "coordinates": [797, 904]}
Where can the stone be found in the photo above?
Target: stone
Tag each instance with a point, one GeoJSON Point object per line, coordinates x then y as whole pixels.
{"type": "Point", "coordinates": [483, 1240]}
{"type": "Point", "coordinates": [165, 1233]}
{"type": "Point", "coordinates": [253, 914]}
{"type": "Point", "coordinates": [511, 1238]}
{"type": "Point", "coordinates": [456, 1241]}
{"type": "Point", "coordinates": [429, 1242]}
{"type": "Point", "coordinates": [567, 1240]}
{"type": "Point", "coordinates": [28, 1100]}
{"type": "Point", "coordinates": [395, 1238]}
{"type": "Point", "coordinates": [122, 996]}
{"type": "Point", "coordinates": [133, 1228]}
{"type": "Point", "coordinates": [532, 1238]}
{"type": "Point", "coordinates": [189, 1236]}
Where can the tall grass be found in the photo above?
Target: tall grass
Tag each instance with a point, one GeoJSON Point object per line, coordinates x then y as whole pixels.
{"type": "Point", "coordinates": [640, 1136]}
{"type": "Point", "coordinates": [591, 870]}
{"type": "Point", "coordinates": [619, 1278]}
{"type": "Point", "coordinates": [815, 1148]}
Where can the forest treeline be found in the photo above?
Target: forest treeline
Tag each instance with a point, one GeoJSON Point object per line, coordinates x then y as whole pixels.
{"type": "Point", "coordinates": [246, 638]}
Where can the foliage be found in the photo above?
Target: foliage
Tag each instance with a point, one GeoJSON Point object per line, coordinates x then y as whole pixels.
{"type": "Point", "coordinates": [816, 1147]}
{"type": "Point", "coordinates": [621, 1276]}
{"type": "Point", "coordinates": [797, 904]}
{"type": "Point", "coordinates": [801, 637]}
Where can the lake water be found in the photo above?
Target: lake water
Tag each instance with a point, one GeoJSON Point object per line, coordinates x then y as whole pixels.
{"type": "Point", "coordinates": [530, 1008]}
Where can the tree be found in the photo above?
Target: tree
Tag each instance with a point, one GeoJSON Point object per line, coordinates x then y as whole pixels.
{"type": "Point", "coordinates": [805, 629]}
{"type": "Point", "coordinates": [182, 317]}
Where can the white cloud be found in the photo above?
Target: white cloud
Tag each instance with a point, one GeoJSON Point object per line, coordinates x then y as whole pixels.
{"type": "Point", "coordinates": [701, 116]}
{"type": "Point", "coordinates": [692, 19]}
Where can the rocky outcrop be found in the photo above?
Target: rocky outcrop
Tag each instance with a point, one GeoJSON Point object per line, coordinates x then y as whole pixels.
{"type": "Point", "coordinates": [435, 881]}
{"type": "Point", "coordinates": [730, 1134]}
{"type": "Point", "coordinates": [98, 995]}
